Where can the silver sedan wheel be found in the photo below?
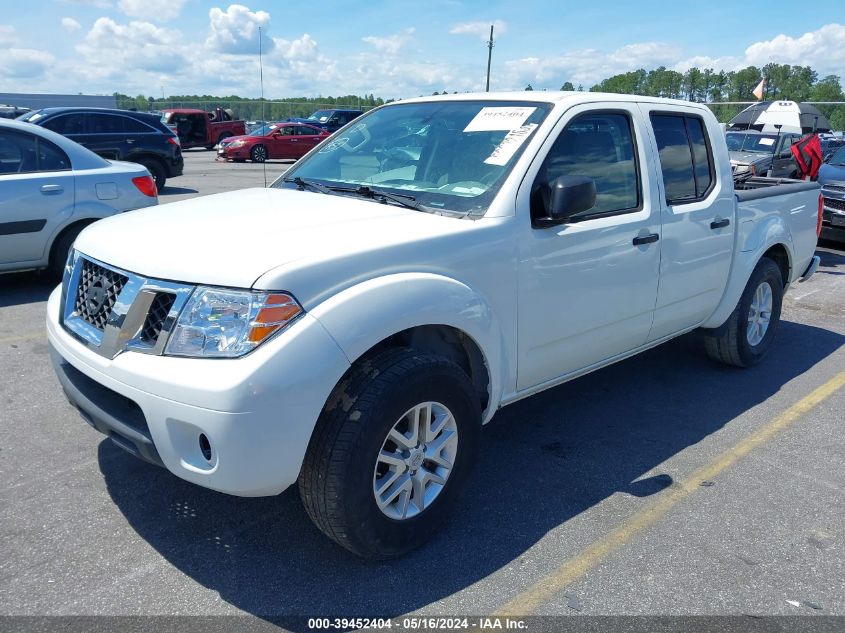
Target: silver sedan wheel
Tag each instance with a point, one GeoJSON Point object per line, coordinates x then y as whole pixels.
{"type": "Point", "coordinates": [415, 460]}
{"type": "Point", "coordinates": [759, 314]}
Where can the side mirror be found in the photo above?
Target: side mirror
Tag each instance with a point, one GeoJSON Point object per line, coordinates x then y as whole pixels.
{"type": "Point", "coordinates": [568, 195]}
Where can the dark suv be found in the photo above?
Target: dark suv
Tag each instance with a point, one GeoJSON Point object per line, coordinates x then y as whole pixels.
{"type": "Point", "coordinates": [331, 120]}
{"type": "Point", "coordinates": [136, 137]}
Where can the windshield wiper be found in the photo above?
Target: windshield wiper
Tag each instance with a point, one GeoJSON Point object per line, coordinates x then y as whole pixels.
{"type": "Point", "coordinates": [308, 184]}
{"type": "Point", "coordinates": [401, 199]}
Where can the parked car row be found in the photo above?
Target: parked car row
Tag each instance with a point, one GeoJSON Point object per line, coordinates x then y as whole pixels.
{"type": "Point", "coordinates": [137, 137]}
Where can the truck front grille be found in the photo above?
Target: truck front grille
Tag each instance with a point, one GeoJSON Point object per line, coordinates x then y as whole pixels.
{"type": "Point", "coordinates": [97, 293]}
{"type": "Point", "coordinates": [832, 203]}
{"type": "Point", "coordinates": [159, 309]}
{"type": "Point", "coordinates": [112, 310]}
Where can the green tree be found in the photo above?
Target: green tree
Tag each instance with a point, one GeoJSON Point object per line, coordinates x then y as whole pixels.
{"type": "Point", "coordinates": [567, 85]}
{"type": "Point", "coordinates": [528, 87]}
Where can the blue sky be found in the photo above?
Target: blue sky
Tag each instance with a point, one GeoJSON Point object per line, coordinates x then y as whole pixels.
{"type": "Point", "coordinates": [392, 49]}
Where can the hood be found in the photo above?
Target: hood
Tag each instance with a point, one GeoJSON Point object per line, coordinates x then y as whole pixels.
{"type": "Point", "coordinates": [747, 158]}
{"type": "Point", "coordinates": [831, 174]}
{"type": "Point", "coordinates": [231, 239]}
{"type": "Point", "coordinates": [240, 137]}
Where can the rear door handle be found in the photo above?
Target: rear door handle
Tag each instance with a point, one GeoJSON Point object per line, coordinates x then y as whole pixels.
{"type": "Point", "coordinates": [49, 189]}
{"type": "Point", "coordinates": [646, 239]}
{"type": "Point", "coordinates": [719, 224]}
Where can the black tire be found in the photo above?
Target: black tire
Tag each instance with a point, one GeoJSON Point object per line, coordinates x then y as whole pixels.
{"type": "Point", "coordinates": [156, 170]}
{"type": "Point", "coordinates": [336, 480]}
{"type": "Point", "coordinates": [258, 154]}
{"type": "Point", "coordinates": [729, 343]}
{"type": "Point", "coordinates": [61, 249]}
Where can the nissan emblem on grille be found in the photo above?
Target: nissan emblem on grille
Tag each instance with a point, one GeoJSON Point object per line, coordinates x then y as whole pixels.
{"type": "Point", "coordinates": [95, 296]}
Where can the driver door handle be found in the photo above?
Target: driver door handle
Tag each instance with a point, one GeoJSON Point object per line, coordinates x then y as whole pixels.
{"type": "Point", "coordinates": [719, 224]}
{"type": "Point", "coordinates": [646, 239]}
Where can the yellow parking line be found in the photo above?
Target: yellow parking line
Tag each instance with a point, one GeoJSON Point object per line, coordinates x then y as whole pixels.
{"type": "Point", "coordinates": [23, 337]}
{"type": "Point", "coordinates": [541, 591]}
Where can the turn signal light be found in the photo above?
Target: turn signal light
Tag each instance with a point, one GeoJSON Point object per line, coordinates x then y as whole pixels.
{"type": "Point", "coordinates": [276, 312]}
{"type": "Point", "coordinates": [146, 185]}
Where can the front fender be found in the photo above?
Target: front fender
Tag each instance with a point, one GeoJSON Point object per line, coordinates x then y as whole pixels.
{"type": "Point", "coordinates": [754, 239]}
{"type": "Point", "coordinates": [362, 316]}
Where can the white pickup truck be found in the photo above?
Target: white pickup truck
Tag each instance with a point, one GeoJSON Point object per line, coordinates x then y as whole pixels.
{"type": "Point", "coordinates": [352, 327]}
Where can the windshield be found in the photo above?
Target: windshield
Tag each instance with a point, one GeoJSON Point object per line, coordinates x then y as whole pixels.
{"type": "Point", "coordinates": [758, 143]}
{"type": "Point", "coordinates": [31, 117]}
{"type": "Point", "coordinates": [264, 130]}
{"type": "Point", "coordinates": [449, 155]}
{"type": "Point", "coordinates": [838, 157]}
{"type": "Point", "coordinates": [320, 115]}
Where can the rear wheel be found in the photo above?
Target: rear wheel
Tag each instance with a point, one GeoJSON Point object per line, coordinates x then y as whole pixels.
{"type": "Point", "coordinates": [391, 453]}
{"type": "Point", "coordinates": [156, 170]}
{"type": "Point", "coordinates": [258, 154]}
{"type": "Point", "coordinates": [747, 334]}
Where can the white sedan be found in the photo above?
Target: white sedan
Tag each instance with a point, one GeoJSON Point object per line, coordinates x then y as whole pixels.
{"type": "Point", "coordinates": [51, 188]}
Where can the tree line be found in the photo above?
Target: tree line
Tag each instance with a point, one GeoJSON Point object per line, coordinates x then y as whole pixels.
{"type": "Point", "coordinates": [794, 83]}
{"type": "Point", "coordinates": [250, 109]}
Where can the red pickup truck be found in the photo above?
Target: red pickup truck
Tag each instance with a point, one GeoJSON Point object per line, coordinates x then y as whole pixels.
{"type": "Point", "coordinates": [198, 128]}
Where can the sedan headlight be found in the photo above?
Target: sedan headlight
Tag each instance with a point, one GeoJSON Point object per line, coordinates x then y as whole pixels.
{"type": "Point", "coordinates": [740, 169]}
{"type": "Point", "coordinates": [220, 323]}
{"type": "Point", "coordinates": [236, 144]}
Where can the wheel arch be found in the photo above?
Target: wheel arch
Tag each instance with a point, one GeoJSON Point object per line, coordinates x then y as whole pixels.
{"type": "Point", "coordinates": [429, 313]}
{"type": "Point", "coordinates": [778, 250]}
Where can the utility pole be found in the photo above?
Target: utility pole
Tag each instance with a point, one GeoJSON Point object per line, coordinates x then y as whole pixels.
{"type": "Point", "coordinates": [490, 46]}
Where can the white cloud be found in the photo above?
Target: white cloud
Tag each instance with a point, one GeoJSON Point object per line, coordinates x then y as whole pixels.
{"type": "Point", "coordinates": [70, 25]}
{"type": "Point", "coordinates": [391, 44]}
{"type": "Point", "coordinates": [585, 66]}
{"type": "Point", "coordinates": [822, 49]}
{"type": "Point", "coordinates": [25, 63]}
{"type": "Point", "coordinates": [157, 10]}
{"type": "Point", "coordinates": [480, 28]}
{"type": "Point", "coordinates": [236, 30]}
{"type": "Point", "coordinates": [119, 48]}
{"type": "Point", "coordinates": [8, 35]}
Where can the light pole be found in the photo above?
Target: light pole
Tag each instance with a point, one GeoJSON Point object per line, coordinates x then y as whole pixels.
{"type": "Point", "coordinates": [490, 45]}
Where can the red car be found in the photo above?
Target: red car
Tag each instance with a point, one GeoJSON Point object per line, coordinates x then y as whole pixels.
{"type": "Point", "coordinates": [275, 140]}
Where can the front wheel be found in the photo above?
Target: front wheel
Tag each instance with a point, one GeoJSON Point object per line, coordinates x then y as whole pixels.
{"type": "Point", "coordinates": [745, 337]}
{"type": "Point", "coordinates": [391, 453]}
{"type": "Point", "coordinates": [258, 154]}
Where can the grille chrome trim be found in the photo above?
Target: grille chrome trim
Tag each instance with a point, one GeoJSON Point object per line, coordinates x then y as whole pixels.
{"type": "Point", "coordinates": [127, 322]}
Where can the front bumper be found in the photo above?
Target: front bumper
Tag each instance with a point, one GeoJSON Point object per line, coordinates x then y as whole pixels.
{"type": "Point", "coordinates": [257, 412]}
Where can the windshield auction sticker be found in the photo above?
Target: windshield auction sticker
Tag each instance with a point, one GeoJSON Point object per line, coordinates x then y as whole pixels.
{"type": "Point", "coordinates": [507, 148]}
{"type": "Point", "coordinates": [493, 119]}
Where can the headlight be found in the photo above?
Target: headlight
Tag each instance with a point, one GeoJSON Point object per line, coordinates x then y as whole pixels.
{"type": "Point", "coordinates": [742, 169]}
{"type": "Point", "coordinates": [219, 323]}
{"type": "Point", "coordinates": [236, 144]}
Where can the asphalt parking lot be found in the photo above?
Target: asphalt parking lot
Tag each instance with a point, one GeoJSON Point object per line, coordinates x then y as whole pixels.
{"type": "Point", "coordinates": [665, 484]}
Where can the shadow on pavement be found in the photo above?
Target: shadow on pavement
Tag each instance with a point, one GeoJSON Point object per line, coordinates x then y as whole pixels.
{"type": "Point", "coordinates": [175, 191]}
{"type": "Point", "coordinates": [27, 287]}
{"type": "Point", "coordinates": [543, 461]}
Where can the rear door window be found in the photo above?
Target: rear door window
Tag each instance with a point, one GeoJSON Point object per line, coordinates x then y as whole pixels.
{"type": "Point", "coordinates": [105, 124]}
{"type": "Point", "coordinates": [685, 157]}
{"type": "Point", "coordinates": [67, 124]}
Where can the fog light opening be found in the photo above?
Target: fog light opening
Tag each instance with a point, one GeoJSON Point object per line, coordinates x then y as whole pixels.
{"type": "Point", "coordinates": [205, 447]}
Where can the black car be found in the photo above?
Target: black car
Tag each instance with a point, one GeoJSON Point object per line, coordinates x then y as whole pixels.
{"type": "Point", "coordinates": [136, 137]}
